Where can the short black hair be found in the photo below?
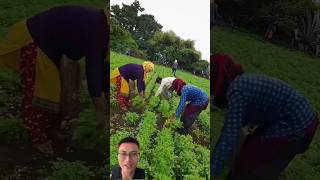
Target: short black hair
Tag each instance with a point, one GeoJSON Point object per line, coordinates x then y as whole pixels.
{"type": "Point", "coordinates": [129, 140]}
{"type": "Point", "coordinates": [158, 80]}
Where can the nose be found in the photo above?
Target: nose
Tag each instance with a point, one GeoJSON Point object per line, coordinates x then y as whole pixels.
{"type": "Point", "coordinates": [127, 158]}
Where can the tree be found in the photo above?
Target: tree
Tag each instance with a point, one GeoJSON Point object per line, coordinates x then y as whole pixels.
{"type": "Point", "coordinates": [120, 39]}
{"type": "Point", "coordinates": [142, 27]}
{"type": "Point", "coordinates": [165, 47]}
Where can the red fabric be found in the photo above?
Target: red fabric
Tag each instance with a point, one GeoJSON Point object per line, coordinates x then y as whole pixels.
{"type": "Point", "coordinates": [35, 120]}
{"type": "Point", "coordinates": [177, 85]}
{"type": "Point", "coordinates": [258, 153]}
{"type": "Point", "coordinates": [122, 100]}
{"type": "Point", "coordinates": [224, 71]}
{"type": "Point", "coordinates": [191, 109]}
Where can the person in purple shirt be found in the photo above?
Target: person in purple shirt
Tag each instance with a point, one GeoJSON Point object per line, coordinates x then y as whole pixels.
{"type": "Point", "coordinates": [174, 67]}
{"type": "Point", "coordinates": [38, 47]}
{"type": "Point", "coordinates": [124, 77]}
{"type": "Point", "coordinates": [192, 102]}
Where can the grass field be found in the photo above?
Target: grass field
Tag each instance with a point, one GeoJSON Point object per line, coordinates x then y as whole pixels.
{"type": "Point", "coordinates": [296, 68]}
{"type": "Point", "coordinates": [84, 157]}
{"type": "Point", "coordinates": [166, 155]}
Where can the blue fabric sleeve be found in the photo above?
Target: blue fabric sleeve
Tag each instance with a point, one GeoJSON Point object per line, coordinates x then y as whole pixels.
{"type": "Point", "coordinates": [182, 102]}
{"type": "Point", "coordinates": [230, 133]}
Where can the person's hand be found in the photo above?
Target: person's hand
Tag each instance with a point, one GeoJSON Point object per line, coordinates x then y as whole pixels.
{"type": "Point", "coordinates": [45, 147]}
{"type": "Point", "coordinates": [130, 100]}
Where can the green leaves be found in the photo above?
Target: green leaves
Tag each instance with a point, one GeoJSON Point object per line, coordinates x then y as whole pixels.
{"type": "Point", "coordinates": [164, 108]}
{"type": "Point", "coordinates": [163, 159]}
{"type": "Point", "coordinates": [186, 162]}
{"type": "Point", "coordinates": [137, 102]}
{"type": "Point", "coordinates": [131, 118]}
{"type": "Point", "coordinates": [12, 130]}
{"type": "Point", "coordinates": [85, 131]}
{"type": "Point", "coordinates": [70, 171]}
{"type": "Point", "coordinates": [146, 129]}
{"type": "Point", "coordinates": [142, 27]}
{"type": "Point", "coordinates": [153, 103]}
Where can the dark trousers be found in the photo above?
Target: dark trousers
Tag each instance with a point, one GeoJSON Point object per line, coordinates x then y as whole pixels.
{"type": "Point", "coordinates": [265, 159]}
{"type": "Point", "coordinates": [190, 114]}
{"type": "Point", "coordinates": [174, 71]}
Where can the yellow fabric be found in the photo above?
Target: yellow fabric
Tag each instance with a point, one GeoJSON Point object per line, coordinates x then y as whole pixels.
{"type": "Point", "coordinates": [47, 80]}
{"type": "Point", "coordinates": [147, 68]}
{"type": "Point", "coordinates": [10, 60]}
{"type": "Point", "coordinates": [17, 37]}
{"type": "Point", "coordinates": [124, 83]}
{"type": "Point", "coordinates": [113, 75]}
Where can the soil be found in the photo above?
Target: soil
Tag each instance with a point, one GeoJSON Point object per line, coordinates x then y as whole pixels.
{"type": "Point", "coordinates": [21, 160]}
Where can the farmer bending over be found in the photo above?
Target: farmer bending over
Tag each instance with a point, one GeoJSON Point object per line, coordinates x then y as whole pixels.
{"type": "Point", "coordinates": [285, 122]}
{"type": "Point", "coordinates": [193, 100]}
{"type": "Point", "coordinates": [165, 85]}
{"type": "Point", "coordinates": [124, 78]}
{"type": "Point", "coordinates": [35, 47]}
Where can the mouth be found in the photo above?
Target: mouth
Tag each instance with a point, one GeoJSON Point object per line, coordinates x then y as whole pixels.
{"type": "Point", "coordinates": [128, 166]}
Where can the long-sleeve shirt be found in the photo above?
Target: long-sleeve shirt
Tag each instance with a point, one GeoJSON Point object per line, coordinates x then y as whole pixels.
{"type": "Point", "coordinates": [166, 83]}
{"type": "Point", "coordinates": [193, 95]}
{"type": "Point", "coordinates": [133, 72]}
{"type": "Point", "coordinates": [175, 66]}
{"type": "Point", "coordinates": [76, 32]}
{"type": "Point", "coordinates": [269, 103]}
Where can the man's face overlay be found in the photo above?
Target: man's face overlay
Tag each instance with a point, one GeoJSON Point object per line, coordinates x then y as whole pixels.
{"type": "Point", "coordinates": [128, 156]}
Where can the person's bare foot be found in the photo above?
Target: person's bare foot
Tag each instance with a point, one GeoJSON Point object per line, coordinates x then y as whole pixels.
{"type": "Point", "coordinates": [45, 147]}
{"type": "Point", "coordinates": [124, 108]}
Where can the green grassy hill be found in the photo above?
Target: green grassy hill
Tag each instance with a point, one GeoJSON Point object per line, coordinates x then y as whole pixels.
{"type": "Point", "coordinates": [118, 60]}
{"type": "Point", "coordinates": [296, 68]}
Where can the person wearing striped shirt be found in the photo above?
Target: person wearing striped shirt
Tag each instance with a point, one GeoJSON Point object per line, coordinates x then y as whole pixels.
{"type": "Point", "coordinates": [284, 118]}
{"type": "Point", "coordinates": [192, 102]}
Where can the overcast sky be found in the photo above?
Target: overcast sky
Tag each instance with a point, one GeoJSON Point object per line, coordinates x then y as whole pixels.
{"type": "Point", "coordinates": [189, 19]}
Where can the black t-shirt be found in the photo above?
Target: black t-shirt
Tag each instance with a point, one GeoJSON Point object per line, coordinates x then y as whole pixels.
{"type": "Point", "coordinates": [116, 173]}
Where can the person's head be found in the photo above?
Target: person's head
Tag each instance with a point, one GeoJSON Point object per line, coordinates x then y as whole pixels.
{"type": "Point", "coordinates": [224, 72]}
{"type": "Point", "coordinates": [128, 154]}
{"type": "Point", "coordinates": [175, 61]}
{"type": "Point", "coordinates": [177, 85]}
{"type": "Point", "coordinates": [148, 66]}
{"type": "Point", "coordinates": [158, 80]}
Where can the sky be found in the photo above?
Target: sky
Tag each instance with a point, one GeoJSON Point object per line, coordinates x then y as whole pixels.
{"type": "Point", "coordinates": [189, 19]}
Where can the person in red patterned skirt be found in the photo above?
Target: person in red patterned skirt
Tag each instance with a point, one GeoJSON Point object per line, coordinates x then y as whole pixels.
{"type": "Point", "coordinates": [36, 47]}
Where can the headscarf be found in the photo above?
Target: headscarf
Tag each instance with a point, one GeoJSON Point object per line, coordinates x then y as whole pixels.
{"type": "Point", "coordinates": [224, 72]}
{"type": "Point", "coordinates": [177, 85]}
{"type": "Point", "coordinates": [147, 68]}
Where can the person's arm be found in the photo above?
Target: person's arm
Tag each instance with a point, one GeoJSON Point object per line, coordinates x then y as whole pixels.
{"type": "Point", "coordinates": [96, 72]}
{"type": "Point", "coordinates": [182, 103]}
{"type": "Point", "coordinates": [160, 89]}
{"type": "Point", "coordinates": [140, 84]}
{"type": "Point", "coordinates": [228, 140]}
